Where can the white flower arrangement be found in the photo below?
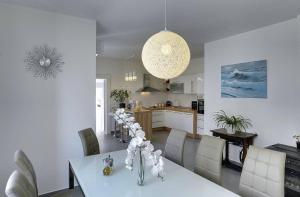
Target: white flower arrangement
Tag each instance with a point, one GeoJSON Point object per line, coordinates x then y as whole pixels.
{"type": "Point", "coordinates": [152, 158]}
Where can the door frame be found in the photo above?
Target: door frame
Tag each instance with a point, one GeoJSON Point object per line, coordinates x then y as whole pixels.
{"type": "Point", "coordinates": [107, 89]}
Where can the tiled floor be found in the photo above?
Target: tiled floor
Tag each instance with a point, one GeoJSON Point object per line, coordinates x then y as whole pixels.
{"type": "Point", "coordinates": [108, 143]}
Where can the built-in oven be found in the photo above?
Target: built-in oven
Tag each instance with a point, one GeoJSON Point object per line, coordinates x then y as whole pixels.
{"type": "Point", "coordinates": [200, 106]}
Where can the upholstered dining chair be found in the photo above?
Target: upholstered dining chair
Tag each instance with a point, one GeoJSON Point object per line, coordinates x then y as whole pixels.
{"type": "Point", "coordinates": [209, 158]}
{"type": "Point", "coordinates": [25, 166]}
{"type": "Point", "coordinates": [89, 142]}
{"type": "Point", "coordinates": [263, 173]}
{"type": "Point", "coordinates": [19, 186]}
{"type": "Point", "coordinates": [175, 145]}
{"type": "Point", "coordinates": [23, 181]}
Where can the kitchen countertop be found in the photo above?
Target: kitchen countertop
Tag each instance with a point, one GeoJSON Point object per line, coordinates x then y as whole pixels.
{"type": "Point", "coordinates": [173, 108]}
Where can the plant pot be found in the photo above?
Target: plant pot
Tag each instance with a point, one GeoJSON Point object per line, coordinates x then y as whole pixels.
{"type": "Point", "coordinates": [230, 130]}
{"type": "Point", "coordinates": [122, 105]}
{"type": "Point", "coordinates": [298, 145]}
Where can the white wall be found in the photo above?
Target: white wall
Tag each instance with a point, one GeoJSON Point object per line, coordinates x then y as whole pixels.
{"type": "Point", "coordinates": [42, 117]}
{"type": "Point", "coordinates": [275, 119]}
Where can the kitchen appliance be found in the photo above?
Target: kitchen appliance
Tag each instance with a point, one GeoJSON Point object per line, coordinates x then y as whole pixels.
{"type": "Point", "coordinates": [177, 88]}
{"type": "Point", "coordinates": [194, 105]}
{"type": "Point", "coordinates": [168, 103]}
{"type": "Point", "coordinates": [146, 85]}
{"type": "Point", "coordinates": [200, 106]}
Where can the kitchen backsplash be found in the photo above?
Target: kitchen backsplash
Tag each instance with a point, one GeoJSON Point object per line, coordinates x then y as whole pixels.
{"type": "Point", "coordinates": [184, 100]}
{"type": "Point", "coordinates": [150, 99]}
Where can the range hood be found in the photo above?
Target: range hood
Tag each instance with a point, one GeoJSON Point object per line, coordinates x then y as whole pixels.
{"type": "Point", "coordinates": [146, 85]}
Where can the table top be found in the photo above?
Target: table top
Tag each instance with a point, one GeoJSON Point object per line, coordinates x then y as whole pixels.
{"type": "Point", "coordinates": [237, 134]}
{"type": "Point", "coordinates": [178, 180]}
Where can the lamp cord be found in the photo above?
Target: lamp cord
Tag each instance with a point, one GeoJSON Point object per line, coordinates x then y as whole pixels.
{"type": "Point", "coordinates": [165, 15]}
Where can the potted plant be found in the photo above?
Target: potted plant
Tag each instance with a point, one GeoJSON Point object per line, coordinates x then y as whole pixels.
{"type": "Point", "coordinates": [120, 96]}
{"type": "Point", "coordinates": [232, 123]}
{"type": "Point", "coordinates": [297, 137]}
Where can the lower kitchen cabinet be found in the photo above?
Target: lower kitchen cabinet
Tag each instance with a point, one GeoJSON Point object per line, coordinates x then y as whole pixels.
{"type": "Point", "coordinates": [173, 119]}
{"type": "Point", "coordinates": [200, 124]}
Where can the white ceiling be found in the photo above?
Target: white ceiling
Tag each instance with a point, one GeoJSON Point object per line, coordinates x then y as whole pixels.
{"type": "Point", "coordinates": [123, 26]}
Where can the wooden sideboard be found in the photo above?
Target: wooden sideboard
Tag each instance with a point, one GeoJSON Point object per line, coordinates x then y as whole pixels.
{"type": "Point", "coordinates": [292, 168]}
{"type": "Point", "coordinates": [242, 139]}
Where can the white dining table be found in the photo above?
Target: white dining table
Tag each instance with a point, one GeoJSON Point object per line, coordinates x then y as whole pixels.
{"type": "Point", "coordinates": [122, 182]}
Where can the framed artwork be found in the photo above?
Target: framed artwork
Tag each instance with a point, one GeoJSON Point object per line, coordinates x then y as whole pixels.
{"type": "Point", "coordinates": [244, 80]}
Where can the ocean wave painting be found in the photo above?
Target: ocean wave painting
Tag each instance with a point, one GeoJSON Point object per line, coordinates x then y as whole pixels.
{"type": "Point", "coordinates": [244, 80]}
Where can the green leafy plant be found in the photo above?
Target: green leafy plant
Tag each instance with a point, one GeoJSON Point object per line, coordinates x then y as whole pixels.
{"type": "Point", "coordinates": [119, 95]}
{"type": "Point", "coordinates": [236, 123]}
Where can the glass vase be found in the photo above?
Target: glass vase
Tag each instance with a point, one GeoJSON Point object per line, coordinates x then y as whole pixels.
{"type": "Point", "coordinates": [141, 172]}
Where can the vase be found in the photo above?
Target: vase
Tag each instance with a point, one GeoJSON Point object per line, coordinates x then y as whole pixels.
{"type": "Point", "coordinates": [298, 145]}
{"type": "Point", "coordinates": [141, 169]}
{"type": "Point", "coordinates": [122, 105]}
{"type": "Point", "coordinates": [230, 130]}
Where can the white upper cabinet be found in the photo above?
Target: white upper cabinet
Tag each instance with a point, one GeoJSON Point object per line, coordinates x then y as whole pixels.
{"type": "Point", "coordinates": [193, 84]}
{"type": "Point", "coordinates": [199, 81]}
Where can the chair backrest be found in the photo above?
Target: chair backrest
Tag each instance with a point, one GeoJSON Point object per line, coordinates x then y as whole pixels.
{"type": "Point", "coordinates": [175, 145]}
{"type": "Point", "coordinates": [25, 167]}
{"type": "Point", "coordinates": [263, 173]}
{"type": "Point", "coordinates": [19, 186]}
{"type": "Point", "coordinates": [89, 142]}
{"type": "Point", "coordinates": [208, 162]}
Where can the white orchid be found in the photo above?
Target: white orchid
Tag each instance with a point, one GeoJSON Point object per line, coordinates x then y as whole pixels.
{"type": "Point", "coordinates": [152, 158]}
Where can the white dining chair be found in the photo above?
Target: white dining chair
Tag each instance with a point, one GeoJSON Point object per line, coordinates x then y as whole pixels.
{"type": "Point", "coordinates": [25, 166]}
{"type": "Point", "coordinates": [263, 173]}
{"type": "Point", "coordinates": [175, 146]}
{"type": "Point", "coordinates": [209, 158]}
{"type": "Point", "coordinates": [19, 186]}
{"type": "Point", "coordinates": [18, 183]}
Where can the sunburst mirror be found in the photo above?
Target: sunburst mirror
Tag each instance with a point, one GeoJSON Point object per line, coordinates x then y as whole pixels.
{"type": "Point", "coordinates": [44, 61]}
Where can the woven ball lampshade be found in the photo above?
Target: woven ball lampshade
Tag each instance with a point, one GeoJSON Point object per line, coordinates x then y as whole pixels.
{"type": "Point", "coordinates": [166, 55]}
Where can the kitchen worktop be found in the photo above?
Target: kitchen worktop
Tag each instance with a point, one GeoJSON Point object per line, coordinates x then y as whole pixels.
{"type": "Point", "coordinates": [173, 108]}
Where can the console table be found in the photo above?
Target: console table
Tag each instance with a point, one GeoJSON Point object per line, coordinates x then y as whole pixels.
{"type": "Point", "coordinates": [292, 168]}
{"type": "Point", "coordinates": [241, 139]}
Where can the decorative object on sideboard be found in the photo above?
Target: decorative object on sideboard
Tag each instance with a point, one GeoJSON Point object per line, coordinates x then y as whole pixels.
{"type": "Point", "coordinates": [232, 123]}
{"type": "Point", "coordinates": [44, 61]}
{"type": "Point", "coordinates": [120, 96]}
{"type": "Point", "coordinates": [139, 145]}
{"type": "Point", "coordinates": [166, 54]}
{"type": "Point", "coordinates": [244, 80]}
{"type": "Point", "coordinates": [297, 137]}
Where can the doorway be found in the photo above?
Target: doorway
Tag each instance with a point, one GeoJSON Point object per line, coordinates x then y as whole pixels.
{"type": "Point", "coordinates": [100, 106]}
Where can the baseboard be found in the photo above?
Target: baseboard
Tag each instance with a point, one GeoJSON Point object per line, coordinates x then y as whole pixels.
{"type": "Point", "coordinates": [49, 194]}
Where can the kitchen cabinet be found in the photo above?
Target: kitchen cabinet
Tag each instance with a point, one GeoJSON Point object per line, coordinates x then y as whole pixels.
{"type": "Point", "coordinates": [158, 119]}
{"type": "Point", "coordinates": [173, 119]}
{"type": "Point", "coordinates": [199, 84]}
{"type": "Point", "coordinates": [200, 124]}
{"type": "Point", "coordinates": [193, 84]}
